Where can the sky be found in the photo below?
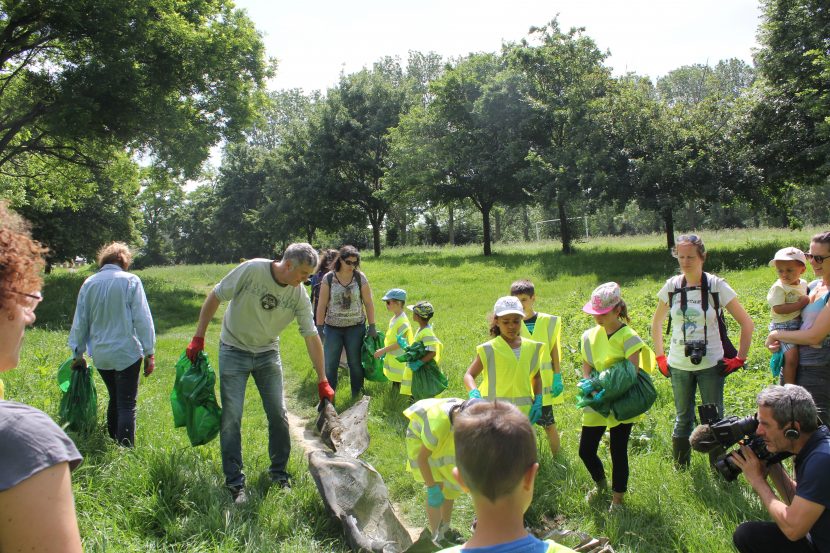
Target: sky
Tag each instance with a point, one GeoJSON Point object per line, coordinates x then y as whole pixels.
{"type": "Point", "coordinates": [314, 41]}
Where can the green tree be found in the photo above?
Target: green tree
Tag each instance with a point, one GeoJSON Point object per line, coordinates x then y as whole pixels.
{"type": "Point", "coordinates": [790, 126]}
{"type": "Point", "coordinates": [161, 198]}
{"type": "Point", "coordinates": [170, 79]}
{"type": "Point", "coordinates": [567, 83]}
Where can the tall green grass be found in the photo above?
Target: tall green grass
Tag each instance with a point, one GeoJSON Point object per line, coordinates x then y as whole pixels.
{"type": "Point", "coordinates": [167, 496]}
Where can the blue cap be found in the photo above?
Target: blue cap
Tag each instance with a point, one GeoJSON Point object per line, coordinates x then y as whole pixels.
{"type": "Point", "coordinates": [395, 294]}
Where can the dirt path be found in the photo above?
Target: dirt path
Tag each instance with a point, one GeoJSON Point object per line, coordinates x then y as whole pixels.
{"type": "Point", "coordinates": [303, 433]}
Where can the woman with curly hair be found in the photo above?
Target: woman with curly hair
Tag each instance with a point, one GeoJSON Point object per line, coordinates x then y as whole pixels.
{"type": "Point", "coordinates": [114, 325]}
{"type": "Point", "coordinates": [36, 454]}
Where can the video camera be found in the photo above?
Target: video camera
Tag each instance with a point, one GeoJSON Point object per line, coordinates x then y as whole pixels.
{"type": "Point", "coordinates": [715, 431]}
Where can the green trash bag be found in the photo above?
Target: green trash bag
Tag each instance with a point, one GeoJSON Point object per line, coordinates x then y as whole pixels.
{"type": "Point", "coordinates": [193, 399]}
{"type": "Point", "coordinates": [428, 381]}
{"type": "Point", "coordinates": [372, 367]}
{"type": "Point", "coordinates": [412, 352]}
{"type": "Point", "coordinates": [79, 402]}
{"type": "Point", "coordinates": [637, 400]}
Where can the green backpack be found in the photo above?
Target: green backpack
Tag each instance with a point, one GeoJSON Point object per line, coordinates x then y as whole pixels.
{"type": "Point", "coordinates": [193, 399]}
{"type": "Point", "coordinates": [79, 402]}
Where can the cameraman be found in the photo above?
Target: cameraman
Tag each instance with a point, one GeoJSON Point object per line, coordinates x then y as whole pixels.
{"type": "Point", "coordinates": [787, 421]}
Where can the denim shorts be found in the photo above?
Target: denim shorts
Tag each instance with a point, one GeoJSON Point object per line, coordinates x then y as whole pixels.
{"type": "Point", "coordinates": [793, 324]}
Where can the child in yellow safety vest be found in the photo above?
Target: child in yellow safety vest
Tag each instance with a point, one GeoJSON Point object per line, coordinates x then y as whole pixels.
{"type": "Point", "coordinates": [422, 313]}
{"type": "Point", "coordinates": [609, 342]}
{"type": "Point", "coordinates": [545, 328]}
{"type": "Point", "coordinates": [430, 451]}
{"type": "Point", "coordinates": [495, 453]}
{"type": "Point", "coordinates": [509, 364]}
{"type": "Point", "coordinates": [397, 337]}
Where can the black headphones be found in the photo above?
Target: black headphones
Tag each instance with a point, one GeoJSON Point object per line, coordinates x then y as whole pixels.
{"type": "Point", "coordinates": [792, 432]}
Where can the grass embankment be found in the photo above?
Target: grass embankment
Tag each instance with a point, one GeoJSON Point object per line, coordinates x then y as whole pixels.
{"type": "Point", "coordinates": [166, 495]}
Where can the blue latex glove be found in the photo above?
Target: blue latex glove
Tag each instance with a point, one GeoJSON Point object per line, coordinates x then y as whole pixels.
{"type": "Point", "coordinates": [474, 394]}
{"type": "Point", "coordinates": [776, 363]}
{"type": "Point", "coordinates": [598, 397]}
{"type": "Point", "coordinates": [401, 341]}
{"type": "Point", "coordinates": [558, 386]}
{"type": "Point", "coordinates": [415, 365]}
{"type": "Point", "coordinates": [535, 409]}
{"type": "Point", "coordinates": [586, 386]}
{"type": "Point", "coordinates": [435, 497]}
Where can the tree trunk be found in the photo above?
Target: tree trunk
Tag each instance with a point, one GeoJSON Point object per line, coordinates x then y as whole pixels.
{"type": "Point", "coordinates": [497, 218]}
{"type": "Point", "coordinates": [668, 219]}
{"type": "Point", "coordinates": [451, 225]}
{"type": "Point", "coordinates": [525, 224]}
{"type": "Point", "coordinates": [567, 239]}
{"type": "Point", "coordinates": [485, 219]}
{"type": "Point", "coordinates": [376, 237]}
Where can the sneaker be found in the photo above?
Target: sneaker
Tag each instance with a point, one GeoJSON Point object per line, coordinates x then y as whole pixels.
{"type": "Point", "coordinates": [597, 492]}
{"type": "Point", "coordinates": [616, 507]}
{"type": "Point", "coordinates": [454, 536]}
{"type": "Point", "coordinates": [238, 494]}
{"type": "Point", "coordinates": [282, 481]}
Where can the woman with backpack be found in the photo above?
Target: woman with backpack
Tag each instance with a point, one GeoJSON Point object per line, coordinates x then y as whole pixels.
{"type": "Point", "coordinates": [345, 308]}
{"type": "Point", "coordinates": [700, 354]}
{"type": "Point", "coordinates": [813, 337]}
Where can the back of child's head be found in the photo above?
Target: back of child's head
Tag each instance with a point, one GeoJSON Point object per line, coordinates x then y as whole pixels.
{"type": "Point", "coordinates": [522, 286]}
{"type": "Point", "coordinates": [494, 447]}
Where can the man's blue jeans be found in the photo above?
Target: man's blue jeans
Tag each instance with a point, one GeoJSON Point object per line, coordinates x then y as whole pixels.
{"type": "Point", "coordinates": [350, 337]}
{"type": "Point", "coordinates": [235, 365]}
{"type": "Point", "coordinates": [684, 384]}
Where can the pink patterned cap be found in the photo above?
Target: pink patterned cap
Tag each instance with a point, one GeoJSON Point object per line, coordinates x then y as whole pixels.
{"type": "Point", "coordinates": [604, 298]}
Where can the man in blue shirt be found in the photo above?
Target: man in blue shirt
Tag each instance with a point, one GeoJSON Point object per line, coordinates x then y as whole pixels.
{"type": "Point", "coordinates": [113, 324]}
{"type": "Point", "coordinates": [787, 421]}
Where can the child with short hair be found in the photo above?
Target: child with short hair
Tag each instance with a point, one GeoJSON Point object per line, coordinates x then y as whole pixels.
{"type": "Point", "coordinates": [430, 450]}
{"type": "Point", "coordinates": [396, 338]}
{"type": "Point", "coordinates": [422, 313]}
{"type": "Point", "coordinates": [509, 363]}
{"type": "Point", "coordinates": [495, 454]}
{"type": "Point", "coordinates": [786, 298]}
{"type": "Point", "coordinates": [545, 328]}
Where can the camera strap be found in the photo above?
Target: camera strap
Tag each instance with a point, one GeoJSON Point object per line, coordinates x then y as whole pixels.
{"type": "Point", "coordinates": [704, 298]}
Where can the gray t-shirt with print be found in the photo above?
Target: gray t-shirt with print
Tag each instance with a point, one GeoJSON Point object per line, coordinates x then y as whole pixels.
{"type": "Point", "coordinates": [345, 307]}
{"type": "Point", "coordinates": [260, 308]}
{"type": "Point", "coordinates": [30, 442]}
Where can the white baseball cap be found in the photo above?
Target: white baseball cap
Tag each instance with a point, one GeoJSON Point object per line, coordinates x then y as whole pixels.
{"type": "Point", "coordinates": [507, 305]}
{"type": "Point", "coordinates": [789, 254]}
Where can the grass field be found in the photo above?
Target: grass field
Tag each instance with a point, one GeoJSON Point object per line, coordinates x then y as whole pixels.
{"type": "Point", "coordinates": [168, 496]}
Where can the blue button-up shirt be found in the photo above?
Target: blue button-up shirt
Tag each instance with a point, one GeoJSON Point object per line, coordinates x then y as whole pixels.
{"type": "Point", "coordinates": [112, 320]}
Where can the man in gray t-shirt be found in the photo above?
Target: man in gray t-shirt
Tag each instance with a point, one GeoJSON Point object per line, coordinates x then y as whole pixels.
{"type": "Point", "coordinates": [265, 296]}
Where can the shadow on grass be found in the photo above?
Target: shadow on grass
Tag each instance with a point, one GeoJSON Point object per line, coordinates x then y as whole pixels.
{"type": "Point", "coordinates": [171, 305]}
{"type": "Point", "coordinates": [622, 266]}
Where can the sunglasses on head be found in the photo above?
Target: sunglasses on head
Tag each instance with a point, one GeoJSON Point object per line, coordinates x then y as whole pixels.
{"type": "Point", "coordinates": [816, 258]}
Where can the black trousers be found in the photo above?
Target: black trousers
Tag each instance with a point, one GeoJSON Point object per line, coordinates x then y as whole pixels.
{"type": "Point", "coordinates": [767, 537]}
{"type": "Point", "coordinates": [123, 391]}
{"type": "Point", "coordinates": [588, 446]}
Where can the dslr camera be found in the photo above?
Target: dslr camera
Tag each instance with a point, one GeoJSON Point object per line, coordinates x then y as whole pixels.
{"type": "Point", "coordinates": [728, 431]}
{"type": "Point", "coordinates": [695, 350]}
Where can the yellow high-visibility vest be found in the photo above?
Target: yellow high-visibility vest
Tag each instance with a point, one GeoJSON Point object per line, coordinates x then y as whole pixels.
{"type": "Point", "coordinates": [548, 330]}
{"type": "Point", "coordinates": [428, 337]}
{"type": "Point", "coordinates": [506, 378]}
{"type": "Point", "coordinates": [601, 351]}
{"type": "Point", "coordinates": [398, 326]}
{"type": "Point", "coordinates": [429, 426]}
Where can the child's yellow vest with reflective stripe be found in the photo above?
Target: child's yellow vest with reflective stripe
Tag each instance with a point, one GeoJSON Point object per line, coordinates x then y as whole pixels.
{"type": "Point", "coordinates": [506, 378]}
{"type": "Point", "coordinates": [600, 352]}
{"type": "Point", "coordinates": [428, 337]}
{"type": "Point", "coordinates": [548, 330]}
{"type": "Point", "coordinates": [429, 426]}
{"type": "Point", "coordinates": [398, 326]}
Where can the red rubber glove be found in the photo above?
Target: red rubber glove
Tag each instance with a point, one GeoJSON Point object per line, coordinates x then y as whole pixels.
{"type": "Point", "coordinates": [732, 364]}
{"type": "Point", "coordinates": [663, 365]}
{"type": "Point", "coordinates": [149, 365]}
{"type": "Point", "coordinates": [197, 344]}
{"type": "Point", "coordinates": [325, 391]}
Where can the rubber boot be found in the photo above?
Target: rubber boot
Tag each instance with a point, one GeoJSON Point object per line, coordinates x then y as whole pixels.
{"type": "Point", "coordinates": [681, 452]}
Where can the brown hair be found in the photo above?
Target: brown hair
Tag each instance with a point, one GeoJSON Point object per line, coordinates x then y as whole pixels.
{"type": "Point", "coordinates": [115, 252]}
{"type": "Point", "coordinates": [692, 239]}
{"type": "Point", "coordinates": [522, 286]}
{"type": "Point", "coordinates": [822, 238]}
{"type": "Point", "coordinates": [21, 259]}
{"type": "Point", "coordinates": [494, 447]}
{"type": "Point", "coordinates": [327, 257]}
{"type": "Point", "coordinates": [493, 321]}
{"type": "Point", "coordinates": [345, 251]}
{"type": "Point", "coordinates": [623, 314]}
